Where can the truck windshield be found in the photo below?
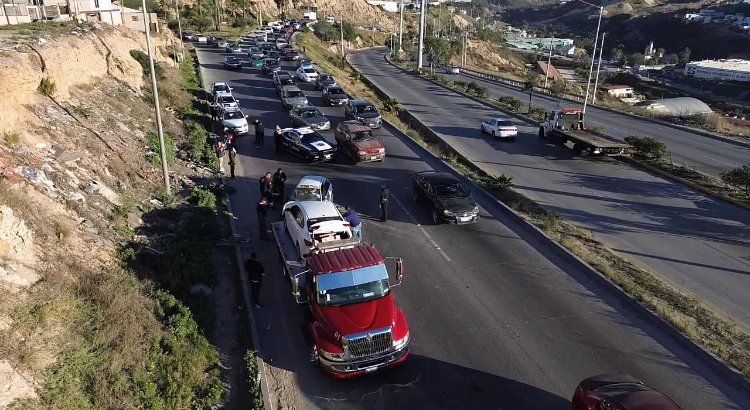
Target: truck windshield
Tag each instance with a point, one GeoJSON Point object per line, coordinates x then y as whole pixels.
{"type": "Point", "coordinates": [353, 286]}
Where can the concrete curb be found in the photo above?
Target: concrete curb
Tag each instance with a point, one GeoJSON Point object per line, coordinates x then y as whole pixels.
{"type": "Point", "coordinates": [262, 373]}
{"type": "Point", "coordinates": [712, 135]}
{"type": "Point", "coordinates": [722, 367]}
{"type": "Point", "coordinates": [624, 159]}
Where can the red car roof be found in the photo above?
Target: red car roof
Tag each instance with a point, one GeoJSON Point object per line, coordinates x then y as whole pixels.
{"type": "Point", "coordinates": [344, 259]}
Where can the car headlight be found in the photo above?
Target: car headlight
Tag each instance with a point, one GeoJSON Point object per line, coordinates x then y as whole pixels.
{"type": "Point", "coordinates": [327, 124]}
{"type": "Point", "coordinates": [360, 118]}
{"type": "Point", "coordinates": [335, 357]}
{"type": "Point", "coordinates": [475, 210]}
{"type": "Point", "coordinates": [401, 343]}
{"type": "Point", "coordinates": [447, 213]}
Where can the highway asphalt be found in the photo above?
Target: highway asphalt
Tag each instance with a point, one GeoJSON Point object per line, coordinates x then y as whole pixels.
{"type": "Point", "coordinates": [698, 243]}
{"type": "Point", "coordinates": [698, 151]}
{"type": "Point", "coordinates": [496, 322]}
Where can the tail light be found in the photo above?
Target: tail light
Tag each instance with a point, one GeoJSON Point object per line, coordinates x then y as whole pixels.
{"type": "Point", "coordinates": [347, 225]}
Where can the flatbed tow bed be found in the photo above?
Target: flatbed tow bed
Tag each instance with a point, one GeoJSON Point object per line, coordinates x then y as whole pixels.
{"type": "Point", "coordinates": [590, 140]}
{"type": "Point", "coordinates": [288, 254]}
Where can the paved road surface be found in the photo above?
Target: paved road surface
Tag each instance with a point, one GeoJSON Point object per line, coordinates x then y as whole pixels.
{"type": "Point", "coordinates": [706, 154]}
{"type": "Point", "coordinates": [496, 322]}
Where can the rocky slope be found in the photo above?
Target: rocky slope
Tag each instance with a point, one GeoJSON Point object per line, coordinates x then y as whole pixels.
{"type": "Point", "coordinates": [357, 11]}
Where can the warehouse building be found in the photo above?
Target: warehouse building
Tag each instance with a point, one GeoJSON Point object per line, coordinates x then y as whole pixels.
{"type": "Point", "coordinates": [724, 70]}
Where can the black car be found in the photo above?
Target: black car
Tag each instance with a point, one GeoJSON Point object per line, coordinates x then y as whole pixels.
{"type": "Point", "coordinates": [324, 80]}
{"type": "Point", "coordinates": [274, 54]}
{"type": "Point", "coordinates": [335, 96]}
{"type": "Point", "coordinates": [449, 200]}
{"type": "Point", "coordinates": [307, 144]}
{"type": "Point", "coordinates": [232, 63]}
{"type": "Point", "coordinates": [270, 66]}
{"type": "Point", "coordinates": [364, 112]}
{"type": "Point", "coordinates": [282, 78]}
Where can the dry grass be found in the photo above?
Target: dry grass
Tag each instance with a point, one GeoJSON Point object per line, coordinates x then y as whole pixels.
{"type": "Point", "coordinates": [683, 311]}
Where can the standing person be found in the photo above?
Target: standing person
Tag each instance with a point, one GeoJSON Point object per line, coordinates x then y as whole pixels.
{"type": "Point", "coordinates": [255, 272]}
{"type": "Point", "coordinates": [220, 149]}
{"type": "Point", "coordinates": [232, 158]}
{"type": "Point", "coordinates": [385, 194]}
{"type": "Point", "coordinates": [277, 139]}
{"type": "Point", "coordinates": [279, 178]}
{"type": "Point", "coordinates": [259, 133]}
{"type": "Point", "coordinates": [262, 210]}
{"type": "Point", "coordinates": [354, 221]}
{"type": "Point", "coordinates": [265, 185]}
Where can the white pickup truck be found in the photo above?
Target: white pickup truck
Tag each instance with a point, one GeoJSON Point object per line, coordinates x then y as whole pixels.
{"type": "Point", "coordinates": [500, 127]}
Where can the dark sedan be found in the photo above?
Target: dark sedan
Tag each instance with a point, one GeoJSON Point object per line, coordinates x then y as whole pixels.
{"type": "Point", "coordinates": [232, 63]}
{"type": "Point", "coordinates": [364, 112]}
{"type": "Point", "coordinates": [282, 78]}
{"type": "Point", "coordinates": [619, 392]}
{"type": "Point", "coordinates": [449, 200]}
{"type": "Point", "coordinates": [292, 55]}
{"type": "Point", "coordinates": [335, 96]}
{"type": "Point", "coordinates": [309, 116]}
{"type": "Point", "coordinates": [270, 66]}
{"type": "Point", "coordinates": [307, 144]}
{"type": "Point", "coordinates": [324, 80]}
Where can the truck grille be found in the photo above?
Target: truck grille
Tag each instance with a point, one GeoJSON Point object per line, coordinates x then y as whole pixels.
{"type": "Point", "coordinates": [369, 343]}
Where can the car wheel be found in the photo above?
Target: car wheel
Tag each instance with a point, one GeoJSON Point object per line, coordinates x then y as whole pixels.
{"type": "Point", "coordinates": [435, 217]}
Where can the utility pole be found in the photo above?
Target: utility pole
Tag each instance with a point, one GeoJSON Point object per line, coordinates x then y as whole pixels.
{"type": "Point", "coordinates": [218, 18]}
{"type": "Point", "coordinates": [155, 92]}
{"type": "Point", "coordinates": [593, 57]}
{"type": "Point", "coordinates": [549, 61]}
{"type": "Point", "coordinates": [466, 46]}
{"type": "Point", "coordinates": [421, 32]}
{"type": "Point", "coordinates": [598, 67]}
{"type": "Point", "coordinates": [401, 30]}
{"type": "Point", "coordinates": [342, 41]}
{"type": "Point", "coordinates": [179, 27]}
{"type": "Point", "coordinates": [440, 20]}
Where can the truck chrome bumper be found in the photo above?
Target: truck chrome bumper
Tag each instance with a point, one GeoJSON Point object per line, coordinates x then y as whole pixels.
{"type": "Point", "coordinates": [354, 368]}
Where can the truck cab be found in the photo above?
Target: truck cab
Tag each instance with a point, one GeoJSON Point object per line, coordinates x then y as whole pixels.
{"type": "Point", "coordinates": [561, 119]}
{"type": "Point", "coordinates": [356, 327]}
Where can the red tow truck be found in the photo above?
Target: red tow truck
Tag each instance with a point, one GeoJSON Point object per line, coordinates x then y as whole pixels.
{"type": "Point", "coordinates": [356, 327]}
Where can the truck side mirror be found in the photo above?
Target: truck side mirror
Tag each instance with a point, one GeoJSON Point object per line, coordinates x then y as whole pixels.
{"type": "Point", "coordinates": [299, 295]}
{"type": "Point", "coordinates": [399, 270]}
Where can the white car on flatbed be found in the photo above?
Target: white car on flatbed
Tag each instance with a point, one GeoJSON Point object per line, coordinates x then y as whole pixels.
{"type": "Point", "coordinates": [312, 225]}
{"type": "Point", "coordinates": [501, 127]}
{"type": "Point", "coordinates": [312, 188]}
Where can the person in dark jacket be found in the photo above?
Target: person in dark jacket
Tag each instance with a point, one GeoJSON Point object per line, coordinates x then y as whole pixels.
{"type": "Point", "coordinates": [354, 222]}
{"type": "Point", "coordinates": [262, 211]}
{"type": "Point", "coordinates": [255, 272]}
{"type": "Point", "coordinates": [265, 185]}
{"type": "Point", "coordinates": [385, 194]}
{"type": "Point", "coordinates": [259, 134]}
{"type": "Point", "coordinates": [231, 151]}
{"type": "Point", "coordinates": [277, 139]}
{"type": "Point", "coordinates": [278, 180]}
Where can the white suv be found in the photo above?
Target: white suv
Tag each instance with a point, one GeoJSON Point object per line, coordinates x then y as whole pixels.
{"type": "Point", "coordinates": [307, 74]}
{"type": "Point", "coordinates": [311, 223]}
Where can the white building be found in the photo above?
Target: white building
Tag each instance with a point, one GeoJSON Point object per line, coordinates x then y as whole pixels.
{"type": "Point", "coordinates": [729, 70]}
{"type": "Point", "coordinates": [619, 91]}
{"type": "Point", "coordinates": [391, 6]}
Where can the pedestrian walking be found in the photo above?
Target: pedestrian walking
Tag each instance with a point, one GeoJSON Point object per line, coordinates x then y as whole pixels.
{"type": "Point", "coordinates": [354, 222]}
{"type": "Point", "coordinates": [277, 139]}
{"type": "Point", "coordinates": [259, 134]}
{"type": "Point", "coordinates": [385, 194]}
{"type": "Point", "coordinates": [220, 148]}
{"type": "Point", "coordinates": [262, 210]}
{"type": "Point", "coordinates": [278, 180]}
{"type": "Point", "coordinates": [255, 272]}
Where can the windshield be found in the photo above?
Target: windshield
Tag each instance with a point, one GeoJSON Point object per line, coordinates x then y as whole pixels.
{"type": "Point", "coordinates": [272, 63]}
{"type": "Point", "coordinates": [311, 113]}
{"type": "Point", "coordinates": [354, 286]}
{"type": "Point", "coordinates": [307, 194]}
{"type": "Point", "coordinates": [294, 94]}
{"type": "Point", "coordinates": [220, 88]}
{"type": "Point", "coordinates": [233, 115]}
{"type": "Point", "coordinates": [307, 139]}
{"type": "Point", "coordinates": [326, 78]}
{"type": "Point", "coordinates": [365, 108]}
{"type": "Point", "coordinates": [450, 191]}
{"type": "Point", "coordinates": [226, 100]}
{"type": "Point", "coordinates": [308, 70]}
{"type": "Point", "coordinates": [335, 91]}
{"type": "Point", "coordinates": [362, 136]}
{"type": "Point", "coordinates": [505, 123]}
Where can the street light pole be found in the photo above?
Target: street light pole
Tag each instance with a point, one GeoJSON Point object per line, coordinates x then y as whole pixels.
{"type": "Point", "coordinates": [593, 57]}
{"type": "Point", "coordinates": [598, 67]}
{"type": "Point", "coordinates": [401, 30]}
{"type": "Point", "coordinates": [155, 92]}
{"type": "Point", "coordinates": [421, 33]}
{"type": "Point", "coordinates": [342, 40]}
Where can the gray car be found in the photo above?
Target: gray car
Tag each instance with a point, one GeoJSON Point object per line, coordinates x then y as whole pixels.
{"type": "Point", "coordinates": [292, 96]}
{"type": "Point", "coordinates": [281, 79]}
{"type": "Point", "coordinates": [335, 96]}
{"type": "Point", "coordinates": [324, 80]}
{"type": "Point", "coordinates": [364, 112]}
{"type": "Point", "coordinates": [309, 116]}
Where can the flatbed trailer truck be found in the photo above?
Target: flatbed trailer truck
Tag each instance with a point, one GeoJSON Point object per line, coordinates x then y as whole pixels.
{"type": "Point", "coordinates": [354, 323]}
{"type": "Point", "coordinates": [566, 125]}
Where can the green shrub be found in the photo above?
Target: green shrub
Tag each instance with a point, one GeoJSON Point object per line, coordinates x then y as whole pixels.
{"type": "Point", "coordinates": [738, 177]}
{"type": "Point", "coordinates": [511, 102]}
{"type": "Point", "coordinates": [253, 378]}
{"type": "Point", "coordinates": [537, 113]}
{"type": "Point", "coordinates": [154, 154]}
{"type": "Point", "coordinates": [47, 87]}
{"type": "Point", "coordinates": [202, 198]}
{"type": "Point", "coordinates": [12, 138]}
{"type": "Point", "coordinates": [142, 58]}
{"type": "Point", "coordinates": [648, 148]}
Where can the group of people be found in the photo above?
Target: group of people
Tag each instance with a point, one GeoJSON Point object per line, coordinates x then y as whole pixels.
{"type": "Point", "coordinates": [225, 146]}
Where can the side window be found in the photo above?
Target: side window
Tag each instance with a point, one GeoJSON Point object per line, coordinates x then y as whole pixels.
{"type": "Point", "coordinates": [326, 186]}
{"type": "Point", "coordinates": [300, 218]}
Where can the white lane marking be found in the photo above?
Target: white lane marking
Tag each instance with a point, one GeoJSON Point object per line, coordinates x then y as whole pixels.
{"type": "Point", "coordinates": [429, 238]}
{"type": "Point", "coordinates": [721, 162]}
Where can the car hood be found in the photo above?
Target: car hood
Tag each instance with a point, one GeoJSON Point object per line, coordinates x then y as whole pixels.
{"type": "Point", "coordinates": [327, 83]}
{"type": "Point", "coordinates": [321, 145]}
{"type": "Point", "coordinates": [457, 204]}
{"type": "Point", "coordinates": [294, 99]}
{"type": "Point", "coordinates": [372, 143]}
{"type": "Point", "coordinates": [239, 122]}
{"type": "Point", "coordinates": [367, 115]}
{"type": "Point", "coordinates": [233, 62]}
{"type": "Point", "coordinates": [318, 119]}
{"type": "Point", "coordinates": [338, 97]}
{"type": "Point", "coordinates": [359, 317]}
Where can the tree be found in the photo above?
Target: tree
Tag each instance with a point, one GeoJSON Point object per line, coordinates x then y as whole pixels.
{"type": "Point", "coordinates": [557, 88]}
{"type": "Point", "coordinates": [739, 177]}
{"type": "Point", "coordinates": [530, 80]}
{"type": "Point", "coordinates": [440, 49]}
{"type": "Point", "coordinates": [684, 55]}
{"type": "Point", "coordinates": [648, 148]}
{"type": "Point", "coordinates": [636, 59]}
{"type": "Point", "coordinates": [616, 54]}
